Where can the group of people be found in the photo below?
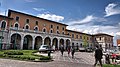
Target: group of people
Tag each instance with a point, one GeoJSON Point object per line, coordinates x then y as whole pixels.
{"type": "Point", "coordinates": [69, 49]}
{"type": "Point", "coordinates": [98, 54]}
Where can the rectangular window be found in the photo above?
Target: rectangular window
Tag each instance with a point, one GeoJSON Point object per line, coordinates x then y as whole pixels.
{"type": "Point", "coordinates": [72, 35]}
{"type": "Point", "coordinates": [17, 18]}
{"type": "Point", "coordinates": [84, 37]}
{"type": "Point", "coordinates": [57, 27]}
{"type": "Point", "coordinates": [51, 26]}
{"type": "Point", "coordinates": [36, 22]}
{"type": "Point", "coordinates": [90, 38]}
{"type": "Point", "coordinates": [63, 28]}
{"type": "Point", "coordinates": [80, 37]}
{"type": "Point", "coordinates": [87, 38]}
{"type": "Point", "coordinates": [100, 38]}
{"type": "Point", "coordinates": [77, 36]}
{"type": "Point", "coordinates": [27, 20]}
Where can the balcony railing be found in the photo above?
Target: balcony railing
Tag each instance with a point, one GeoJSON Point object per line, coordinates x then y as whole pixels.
{"type": "Point", "coordinates": [37, 32]}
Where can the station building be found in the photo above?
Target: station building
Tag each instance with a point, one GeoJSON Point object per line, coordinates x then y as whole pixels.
{"type": "Point", "coordinates": [23, 31]}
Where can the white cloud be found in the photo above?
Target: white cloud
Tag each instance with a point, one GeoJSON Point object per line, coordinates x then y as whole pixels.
{"type": "Point", "coordinates": [29, 0]}
{"type": "Point", "coordinates": [39, 9]}
{"type": "Point", "coordinates": [119, 23]}
{"type": "Point", "coordinates": [118, 33]}
{"type": "Point", "coordinates": [52, 17]}
{"type": "Point", "coordinates": [93, 29]}
{"type": "Point", "coordinates": [117, 36]}
{"type": "Point", "coordinates": [112, 9]}
{"type": "Point", "coordinates": [2, 13]}
{"type": "Point", "coordinates": [87, 19]}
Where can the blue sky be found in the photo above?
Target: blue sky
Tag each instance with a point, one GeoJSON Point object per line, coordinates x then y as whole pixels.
{"type": "Point", "coordinates": [88, 16]}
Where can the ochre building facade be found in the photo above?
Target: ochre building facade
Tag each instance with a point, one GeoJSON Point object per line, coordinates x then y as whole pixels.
{"type": "Point", "coordinates": [23, 31]}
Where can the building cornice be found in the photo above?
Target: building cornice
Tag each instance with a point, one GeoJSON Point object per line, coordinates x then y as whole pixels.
{"type": "Point", "coordinates": [9, 13]}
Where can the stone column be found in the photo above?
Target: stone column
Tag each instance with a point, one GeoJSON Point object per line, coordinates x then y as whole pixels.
{"type": "Point", "coordinates": [33, 43]}
{"type": "Point", "coordinates": [43, 41]}
{"type": "Point", "coordinates": [51, 42]}
{"type": "Point", "coordinates": [22, 40]}
{"type": "Point", "coordinates": [58, 44]}
{"type": "Point", "coordinates": [65, 44]}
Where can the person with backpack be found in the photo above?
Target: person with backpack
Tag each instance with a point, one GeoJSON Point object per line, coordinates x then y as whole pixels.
{"type": "Point", "coordinates": [72, 51]}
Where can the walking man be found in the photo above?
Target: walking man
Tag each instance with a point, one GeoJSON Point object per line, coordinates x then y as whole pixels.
{"type": "Point", "coordinates": [72, 51]}
{"type": "Point", "coordinates": [62, 49]}
{"type": "Point", "coordinates": [98, 56]}
{"type": "Point", "coordinates": [68, 49]}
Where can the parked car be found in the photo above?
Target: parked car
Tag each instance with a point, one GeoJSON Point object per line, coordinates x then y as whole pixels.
{"type": "Point", "coordinates": [82, 49]}
{"type": "Point", "coordinates": [88, 49]}
{"type": "Point", "coordinates": [45, 48]}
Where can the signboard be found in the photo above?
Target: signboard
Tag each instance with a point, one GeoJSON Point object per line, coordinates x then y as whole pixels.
{"type": "Point", "coordinates": [118, 42]}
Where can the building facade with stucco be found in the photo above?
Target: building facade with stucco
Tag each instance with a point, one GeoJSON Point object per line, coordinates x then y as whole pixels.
{"type": "Point", "coordinates": [23, 31]}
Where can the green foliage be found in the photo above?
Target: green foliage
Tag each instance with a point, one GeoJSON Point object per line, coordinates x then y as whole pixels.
{"type": "Point", "coordinates": [13, 53]}
{"type": "Point", "coordinates": [110, 65]}
{"type": "Point", "coordinates": [23, 55]}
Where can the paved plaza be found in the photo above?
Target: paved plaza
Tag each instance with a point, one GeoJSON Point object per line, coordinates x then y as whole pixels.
{"type": "Point", "coordinates": [81, 59]}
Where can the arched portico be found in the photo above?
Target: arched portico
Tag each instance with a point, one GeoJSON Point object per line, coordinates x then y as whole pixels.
{"type": "Point", "coordinates": [61, 43]}
{"type": "Point", "coordinates": [38, 42]}
{"type": "Point", "coordinates": [16, 41]}
{"type": "Point", "coordinates": [47, 41]}
{"type": "Point", "coordinates": [67, 43]}
{"type": "Point", "coordinates": [27, 44]}
{"type": "Point", "coordinates": [55, 44]}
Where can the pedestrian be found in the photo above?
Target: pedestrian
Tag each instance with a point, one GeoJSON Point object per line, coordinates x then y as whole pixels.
{"type": "Point", "coordinates": [72, 51]}
{"type": "Point", "coordinates": [98, 56]}
{"type": "Point", "coordinates": [113, 58]}
{"type": "Point", "coordinates": [49, 51]}
{"type": "Point", "coordinates": [68, 49]}
{"type": "Point", "coordinates": [107, 59]}
{"type": "Point", "coordinates": [62, 49]}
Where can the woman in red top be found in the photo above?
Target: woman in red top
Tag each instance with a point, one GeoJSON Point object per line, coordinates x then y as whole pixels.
{"type": "Point", "coordinates": [113, 57]}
